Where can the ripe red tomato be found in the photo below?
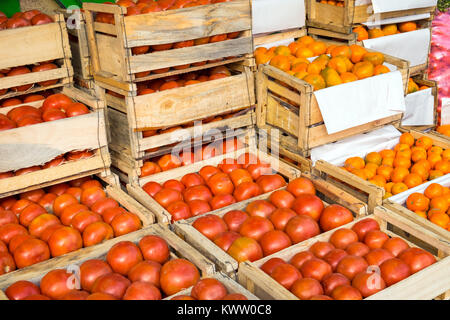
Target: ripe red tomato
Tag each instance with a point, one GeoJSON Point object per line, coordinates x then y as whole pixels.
{"type": "Point", "coordinates": [8, 231]}
{"type": "Point", "coordinates": [123, 256]}
{"type": "Point", "coordinates": [395, 245]}
{"type": "Point", "coordinates": [7, 202]}
{"type": "Point", "coordinates": [349, 266]}
{"type": "Point", "coordinates": [258, 170]}
{"type": "Point", "coordinates": [42, 222]}
{"type": "Point", "coordinates": [6, 124]}
{"type": "Point", "coordinates": [90, 183]}
{"type": "Point", "coordinates": [149, 168]}
{"type": "Point", "coordinates": [41, 19]}
{"type": "Point", "coordinates": [286, 274]}
{"type": "Point", "coordinates": [54, 284]}
{"type": "Point", "coordinates": [301, 228]}
{"type": "Point", "coordinates": [76, 109]}
{"type": "Point", "coordinates": [357, 249]}
{"type": "Point", "coordinates": [174, 184]}
{"type": "Point", "coordinates": [245, 248]}
{"type": "Point", "coordinates": [234, 219]}
{"type": "Point", "coordinates": [198, 207]}
{"type": "Point", "coordinates": [152, 188]}
{"type": "Point", "coordinates": [125, 223]}
{"type": "Point", "coordinates": [3, 247]}
{"type": "Point", "coordinates": [417, 259]}
{"type": "Point", "coordinates": [19, 205]}
{"type": "Point", "coordinates": [301, 186]}
{"type": "Point", "coordinates": [102, 205]}
{"type": "Point", "coordinates": [220, 183]}
{"type": "Point", "coordinates": [56, 101]}
{"type": "Point", "coordinates": [30, 213]}
{"type": "Point", "coordinates": [16, 114]}
{"type": "Point", "coordinates": [228, 165]}
{"type": "Point", "coordinates": [271, 182]}
{"type": "Point", "coordinates": [280, 218]}
{"type": "Point", "coordinates": [306, 288]}
{"type": "Point", "coordinates": [208, 171]}
{"type": "Point", "coordinates": [246, 190]}
{"type": "Point", "coordinates": [316, 268]}
{"type": "Point", "coordinates": [141, 290]}
{"type": "Point", "coordinates": [71, 211]}
{"type": "Point", "coordinates": [364, 226]}
{"type": "Point", "coordinates": [21, 289]}
{"type": "Point", "coordinates": [45, 236]}
{"type": "Point", "coordinates": [346, 292]}
{"type": "Point", "coordinates": [7, 216]}
{"type": "Point", "coordinates": [394, 270]}
{"type": "Point", "coordinates": [332, 281]}
{"type": "Point", "coordinates": [199, 192]}
{"type": "Point", "coordinates": [47, 202]}
{"type": "Point", "coordinates": [91, 195]}
{"type": "Point", "coordinates": [300, 258]}
{"type": "Point", "coordinates": [147, 271]}
{"type": "Point", "coordinates": [282, 199]}
{"type": "Point", "coordinates": [321, 248]}
{"type": "Point", "coordinates": [30, 14]}
{"type": "Point", "coordinates": [96, 233]}
{"type": "Point", "coordinates": [255, 227]}
{"type": "Point", "coordinates": [368, 283]}
{"type": "Point", "coordinates": [260, 208]}
{"type": "Point", "coordinates": [76, 295]}
{"type": "Point", "coordinates": [210, 226]}
{"type": "Point", "coordinates": [239, 176]}
{"type": "Point", "coordinates": [34, 195]}
{"type": "Point", "coordinates": [274, 241]}
{"type": "Point", "coordinates": [167, 196]}
{"type": "Point", "coordinates": [179, 210]}
{"type": "Point", "coordinates": [101, 296]}
{"type": "Point", "coordinates": [27, 170]}
{"type": "Point", "coordinates": [81, 220]}
{"type": "Point", "coordinates": [308, 204]}
{"type": "Point", "coordinates": [271, 264]}
{"type": "Point", "coordinates": [334, 216]}
{"type": "Point", "coordinates": [7, 263]}
{"type": "Point", "coordinates": [235, 296]}
{"type": "Point", "coordinates": [342, 238]}
{"type": "Point", "coordinates": [45, 67]}
{"type": "Point", "coordinates": [192, 179]}
{"type": "Point", "coordinates": [62, 202]}
{"type": "Point", "coordinates": [375, 239]}
{"type": "Point", "coordinates": [64, 240]}
{"type": "Point", "coordinates": [221, 201]}
{"type": "Point", "coordinates": [91, 270]}
{"type": "Point", "coordinates": [182, 296]}
{"type": "Point", "coordinates": [31, 251]}
{"type": "Point", "coordinates": [209, 289]}
{"type": "Point", "coordinates": [178, 274]}
{"type": "Point", "coordinates": [54, 163]}
{"type": "Point", "coordinates": [16, 241]}
{"type": "Point", "coordinates": [168, 162]}
{"type": "Point", "coordinates": [75, 191]}
{"type": "Point", "coordinates": [154, 248]}
{"type": "Point", "coordinates": [113, 284]}
{"type": "Point", "coordinates": [377, 256]}
{"type": "Point", "coordinates": [226, 239]}
{"type": "Point", "coordinates": [17, 71]}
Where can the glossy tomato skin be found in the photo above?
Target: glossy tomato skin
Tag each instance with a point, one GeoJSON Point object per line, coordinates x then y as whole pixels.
{"type": "Point", "coordinates": [81, 220]}
{"type": "Point", "coordinates": [342, 238]}
{"type": "Point", "coordinates": [147, 271]}
{"type": "Point", "coordinates": [255, 227]}
{"type": "Point", "coordinates": [375, 239]}
{"type": "Point", "coordinates": [179, 210]}
{"type": "Point", "coordinates": [286, 275]}
{"type": "Point", "coordinates": [260, 208]}
{"type": "Point", "coordinates": [368, 283]}
{"type": "Point", "coordinates": [62, 202]}
{"type": "Point", "coordinates": [76, 295]}
{"type": "Point", "coordinates": [178, 274]}
{"type": "Point", "coordinates": [96, 233]}
{"type": "Point", "coordinates": [7, 263]}
{"type": "Point", "coordinates": [174, 184]}
{"type": "Point", "coordinates": [222, 201]}
{"type": "Point", "coordinates": [274, 241]}
{"type": "Point", "coordinates": [417, 259]}
{"type": "Point", "coordinates": [270, 183]}
{"type": "Point", "coordinates": [91, 195]}
{"type": "Point", "coordinates": [17, 240]}
{"type": "Point", "coordinates": [21, 289]}
{"type": "Point", "coordinates": [346, 292]}
{"type": "Point", "coordinates": [316, 268]}
{"type": "Point", "coordinates": [152, 188]}
{"type": "Point", "coordinates": [271, 264]}
{"type": "Point", "coordinates": [301, 228]}
{"type": "Point", "coordinates": [125, 223]}
{"type": "Point", "coordinates": [101, 296]}
{"type": "Point", "coordinates": [71, 211]}
{"type": "Point", "coordinates": [280, 218]}
{"type": "Point", "coordinates": [245, 248]}
{"type": "Point", "coordinates": [377, 256]}
{"type": "Point", "coordinates": [395, 245]}
{"type": "Point", "coordinates": [154, 248]}
{"type": "Point", "coordinates": [9, 230]}
{"type": "Point", "coordinates": [364, 226]}
{"type": "Point", "coordinates": [30, 213]}
{"type": "Point", "coordinates": [47, 202]}
{"type": "Point", "coordinates": [308, 204]}
{"type": "Point", "coordinates": [299, 259]}
{"type": "Point", "coordinates": [141, 290]}
{"type": "Point", "coordinates": [199, 192]}
{"type": "Point", "coordinates": [113, 284]}
{"type": "Point", "coordinates": [357, 249]}
{"type": "Point", "coordinates": [334, 257]}
{"type": "Point", "coordinates": [321, 248]}
{"type": "Point", "coordinates": [64, 240]}
{"type": "Point", "coordinates": [31, 251]}
{"type": "Point", "coordinates": [7, 216]}
{"type": "Point", "coordinates": [306, 288]}
{"type": "Point", "coordinates": [220, 184]}
{"type": "Point", "coordinates": [234, 219]}
{"type": "Point", "coordinates": [209, 289]}
{"type": "Point", "coordinates": [102, 205]}
{"type": "Point", "coordinates": [282, 199]}
{"type": "Point", "coordinates": [91, 270]}
{"type": "Point", "coordinates": [226, 239]}
{"type": "Point", "coordinates": [350, 266]}
{"type": "Point", "coordinates": [210, 226]}
{"type": "Point", "coordinates": [334, 216]}
{"type": "Point", "coordinates": [301, 186]}
{"type": "Point", "coordinates": [54, 284]}
{"type": "Point", "coordinates": [111, 213]}
{"type": "Point", "coordinates": [198, 207]}
{"type": "Point", "coordinates": [333, 280]}
{"type": "Point", "coordinates": [235, 296]}
{"type": "Point", "coordinates": [123, 256]}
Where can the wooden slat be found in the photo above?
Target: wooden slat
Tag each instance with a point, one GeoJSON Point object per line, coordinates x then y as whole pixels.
{"type": "Point", "coordinates": [261, 39]}
{"type": "Point", "coordinates": [281, 117]}
{"type": "Point", "coordinates": [35, 77]}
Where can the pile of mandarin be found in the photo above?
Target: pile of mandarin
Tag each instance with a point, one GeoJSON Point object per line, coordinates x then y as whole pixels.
{"type": "Point", "coordinates": [414, 87]}
{"type": "Point", "coordinates": [433, 204]}
{"type": "Point", "coordinates": [334, 65]}
{"type": "Point", "coordinates": [409, 164]}
{"type": "Point", "coordinates": [444, 129]}
{"type": "Point", "coordinates": [337, 3]}
{"type": "Point", "coordinates": [387, 30]}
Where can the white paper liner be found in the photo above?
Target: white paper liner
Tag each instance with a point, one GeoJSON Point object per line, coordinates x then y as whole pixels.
{"type": "Point", "coordinates": [397, 5]}
{"type": "Point", "coordinates": [270, 15]}
{"type": "Point", "coordinates": [412, 46]}
{"type": "Point", "coordinates": [419, 108]}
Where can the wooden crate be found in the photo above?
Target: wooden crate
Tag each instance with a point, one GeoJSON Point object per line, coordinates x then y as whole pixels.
{"type": "Point", "coordinates": [231, 285]}
{"type": "Point", "coordinates": [178, 248]}
{"type": "Point", "coordinates": [111, 45]}
{"type": "Point", "coordinates": [301, 118]}
{"type": "Point", "coordinates": [43, 43]}
{"type": "Point", "coordinates": [364, 190]}
{"type": "Point", "coordinates": [163, 215]}
{"type": "Point", "coordinates": [428, 283]}
{"type": "Point", "coordinates": [343, 19]}
{"type": "Point", "coordinates": [37, 144]}
{"type": "Point", "coordinates": [328, 192]}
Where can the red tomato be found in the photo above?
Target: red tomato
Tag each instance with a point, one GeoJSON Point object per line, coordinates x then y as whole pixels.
{"type": "Point", "coordinates": [42, 222]}
{"type": "Point", "coordinates": [316, 268]}
{"type": "Point", "coordinates": [357, 249]}
{"type": "Point", "coordinates": [198, 207]}
{"type": "Point", "coordinates": [91, 270]}
{"type": "Point", "coordinates": [178, 274]}
{"type": "Point", "coordinates": [71, 211]}
{"type": "Point", "coordinates": [364, 226]}
{"type": "Point", "coordinates": [235, 296]}
{"type": "Point", "coordinates": [62, 202]}
{"type": "Point", "coordinates": [21, 289]}
{"type": "Point", "coordinates": [125, 223]}
{"type": "Point", "coordinates": [113, 284]}
{"type": "Point", "coordinates": [377, 256]}
{"type": "Point", "coordinates": [306, 288]}
{"type": "Point", "coordinates": [346, 292]}
{"type": "Point", "coordinates": [6, 124]}
{"type": "Point", "coordinates": [395, 245]}
{"type": "Point", "coordinates": [226, 239]}
{"type": "Point", "coordinates": [280, 218]}
{"type": "Point", "coordinates": [239, 176]}
{"type": "Point", "coordinates": [174, 184]}
{"type": "Point", "coordinates": [17, 71]}
{"type": "Point", "coordinates": [234, 219]}
{"type": "Point", "coordinates": [168, 162]}
{"type": "Point", "coordinates": [56, 101]}
{"type": "Point", "coordinates": [152, 188]}
{"type": "Point", "coordinates": [244, 248]}
{"type": "Point", "coordinates": [7, 263]}
{"type": "Point", "coordinates": [270, 183]}
{"type": "Point", "coordinates": [16, 241]}
{"type": "Point", "coordinates": [210, 226]}
{"type": "Point", "coordinates": [334, 216]}
{"type": "Point", "coordinates": [220, 183]}
{"type": "Point", "coordinates": [286, 274]}
{"type": "Point", "coordinates": [394, 270]}
{"type": "Point", "coordinates": [321, 248]}
{"type": "Point", "coordinates": [102, 205]}
{"type": "Point", "coordinates": [41, 19]}
{"type": "Point", "coordinates": [274, 241]}
{"type": "Point", "coordinates": [84, 218]}
{"type": "Point", "coordinates": [101, 296]}
{"type": "Point", "coordinates": [301, 186]}
{"type": "Point", "coordinates": [368, 283]}
{"type": "Point", "coordinates": [31, 251]}
{"type": "Point", "coordinates": [91, 195]}
{"type": "Point", "coordinates": [342, 238]}
{"type": "Point", "coordinates": [260, 208]}
{"type": "Point", "coordinates": [271, 264]}
{"type": "Point", "coordinates": [417, 259]}
{"type": "Point", "coordinates": [246, 190]}
{"type": "Point", "coordinates": [96, 233]}
{"type": "Point", "coordinates": [308, 204]}
{"type": "Point", "coordinates": [300, 258]}
{"type": "Point", "coordinates": [167, 196]}
{"type": "Point", "coordinates": [179, 210]}
{"type": "Point", "coordinates": [221, 201]}
{"type": "Point", "coordinates": [375, 239]}
{"type": "Point", "coordinates": [64, 240]}
{"type": "Point", "coordinates": [228, 165]}
{"type": "Point", "coordinates": [199, 192]}
{"type": "Point", "coordinates": [7, 216]}
{"type": "Point", "coordinates": [258, 170]}
{"type": "Point", "coordinates": [59, 188]}
{"type": "Point", "coordinates": [45, 236]}
{"type": "Point", "coordinates": [208, 171]}
{"type": "Point", "coordinates": [19, 205]}
{"type": "Point", "coordinates": [19, 113]}
{"type": "Point", "coordinates": [7, 202]}
{"type": "Point", "coordinates": [76, 295]}
{"type": "Point", "coordinates": [45, 67]}
{"type": "Point", "coordinates": [349, 266]}
{"type": "Point", "coordinates": [8, 231]}
{"type": "Point", "coordinates": [209, 289]}
{"type": "Point", "coordinates": [192, 179]}
{"type": "Point", "coordinates": [54, 284]}
{"type": "Point", "coordinates": [27, 170]}
{"type": "Point", "coordinates": [182, 297]}
{"type": "Point", "coordinates": [123, 256]}
{"type": "Point", "coordinates": [282, 199]}
{"type": "Point", "coordinates": [255, 227]}
{"type": "Point", "coordinates": [147, 271]}
{"type": "Point", "coordinates": [301, 228]}
{"type": "Point", "coordinates": [149, 168]}
{"type": "Point", "coordinates": [141, 290]}
{"type": "Point", "coordinates": [90, 183]}
{"type": "Point", "coordinates": [332, 281]}
{"type": "Point", "coordinates": [154, 248]}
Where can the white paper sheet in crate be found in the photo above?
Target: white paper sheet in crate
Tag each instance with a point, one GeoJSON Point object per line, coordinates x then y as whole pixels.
{"type": "Point", "coordinates": [397, 5]}
{"type": "Point", "coordinates": [412, 46]}
{"type": "Point", "coordinates": [271, 15]}
{"type": "Point", "coordinates": [357, 146]}
{"type": "Point", "coordinates": [419, 109]}
{"type": "Point", "coordinates": [356, 103]}
{"type": "Point", "coordinates": [401, 197]}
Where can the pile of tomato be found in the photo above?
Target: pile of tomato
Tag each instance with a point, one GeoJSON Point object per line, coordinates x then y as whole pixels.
{"type": "Point", "coordinates": [354, 264]}
{"type": "Point", "coordinates": [142, 271]}
{"type": "Point", "coordinates": [287, 217]}
{"type": "Point", "coordinates": [40, 224]}
{"type": "Point", "coordinates": [212, 188]}
{"type": "Point", "coordinates": [9, 102]}
{"type": "Point", "coordinates": [24, 19]}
